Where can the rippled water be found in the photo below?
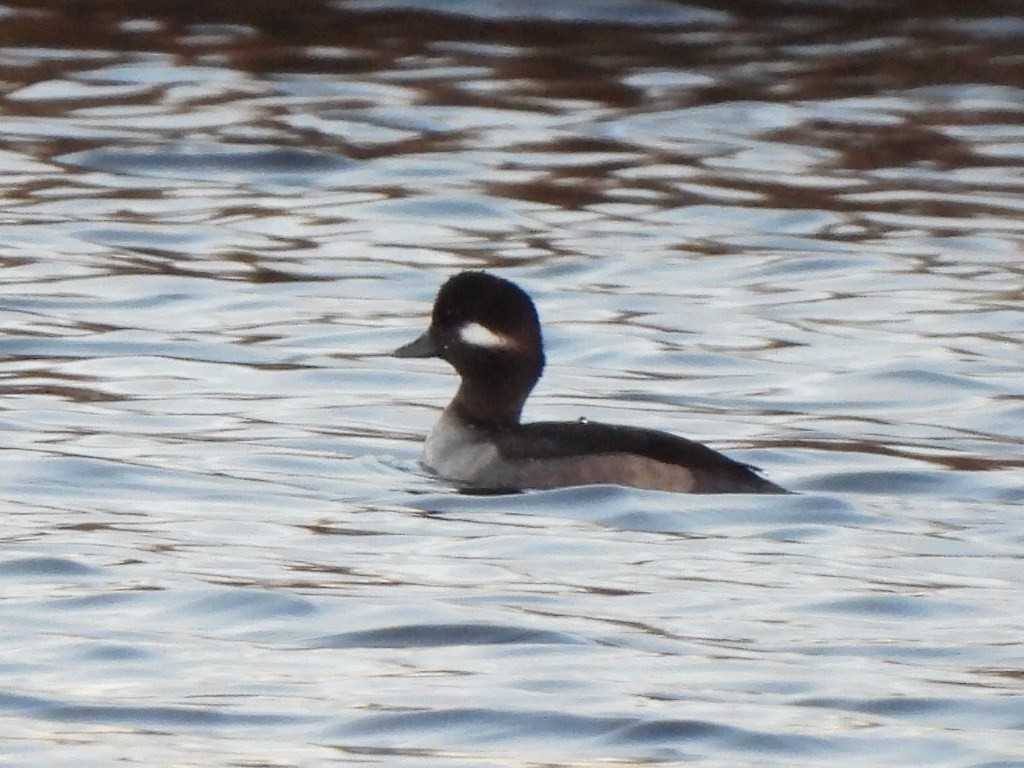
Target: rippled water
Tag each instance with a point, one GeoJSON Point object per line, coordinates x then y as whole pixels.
{"type": "Point", "coordinates": [791, 230]}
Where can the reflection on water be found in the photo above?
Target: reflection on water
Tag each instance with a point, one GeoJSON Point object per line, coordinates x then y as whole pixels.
{"type": "Point", "coordinates": [790, 230]}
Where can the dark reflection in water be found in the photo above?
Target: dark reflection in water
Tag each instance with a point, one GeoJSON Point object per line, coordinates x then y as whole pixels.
{"type": "Point", "coordinates": [790, 229]}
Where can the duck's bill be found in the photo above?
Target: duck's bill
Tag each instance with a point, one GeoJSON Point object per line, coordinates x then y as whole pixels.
{"type": "Point", "coordinates": [424, 346]}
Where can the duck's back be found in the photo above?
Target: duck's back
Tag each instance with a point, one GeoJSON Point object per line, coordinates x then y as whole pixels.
{"type": "Point", "coordinates": [554, 454]}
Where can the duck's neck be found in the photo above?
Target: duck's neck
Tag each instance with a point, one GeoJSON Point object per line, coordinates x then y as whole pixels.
{"type": "Point", "coordinates": [497, 398]}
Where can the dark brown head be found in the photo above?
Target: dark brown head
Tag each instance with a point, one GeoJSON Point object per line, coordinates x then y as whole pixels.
{"type": "Point", "coordinates": [487, 329]}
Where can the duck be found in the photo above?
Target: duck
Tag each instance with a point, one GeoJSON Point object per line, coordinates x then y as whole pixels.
{"type": "Point", "coordinates": [487, 328]}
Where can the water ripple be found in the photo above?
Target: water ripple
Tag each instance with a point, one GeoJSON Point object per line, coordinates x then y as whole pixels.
{"type": "Point", "coordinates": [441, 635]}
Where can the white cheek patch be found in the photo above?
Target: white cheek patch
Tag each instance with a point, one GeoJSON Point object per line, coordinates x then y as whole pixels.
{"type": "Point", "coordinates": [477, 335]}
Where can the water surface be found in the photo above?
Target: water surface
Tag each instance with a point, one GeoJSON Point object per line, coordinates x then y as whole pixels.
{"type": "Point", "coordinates": [791, 231]}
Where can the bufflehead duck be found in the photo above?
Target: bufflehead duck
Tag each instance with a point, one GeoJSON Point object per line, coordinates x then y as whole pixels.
{"type": "Point", "coordinates": [487, 329]}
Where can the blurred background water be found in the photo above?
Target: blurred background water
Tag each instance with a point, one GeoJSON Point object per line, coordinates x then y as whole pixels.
{"type": "Point", "coordinates": [792, 230]}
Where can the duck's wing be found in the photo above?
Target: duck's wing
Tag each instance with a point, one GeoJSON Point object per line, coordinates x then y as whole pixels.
{"type": "Point", "coordinates": [713, 472]}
